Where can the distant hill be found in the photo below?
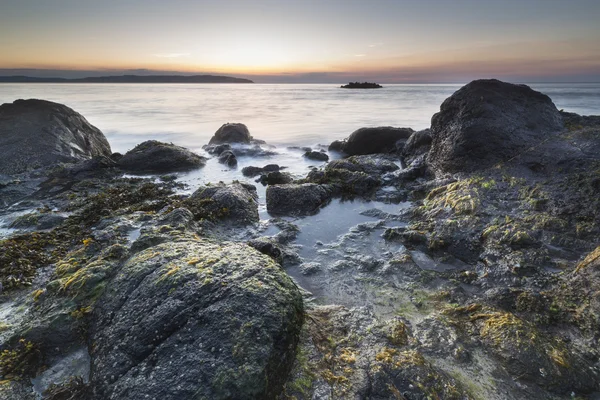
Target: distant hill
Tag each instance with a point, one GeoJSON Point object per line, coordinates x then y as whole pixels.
{"type": "Point", "coordinates": [129, 79]}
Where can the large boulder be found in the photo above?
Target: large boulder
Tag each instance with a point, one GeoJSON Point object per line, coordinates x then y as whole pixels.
{"type": "Point", "coordinates": [296, 199]}
{"type": "Point", "coordinates": [236, 203]}
{"type": "Point", "coordinates": [489, 121]}
{"type": "Point", "coordinates": [39, 133]}
{"type": "Point", "coordinates": [195, 319]}
{"type": "Point", "coordinates": [158, 157]}
{"type": "Point", "coordinates": [372, 140]}
{"type": "Point", "coordinates": [231, 133]}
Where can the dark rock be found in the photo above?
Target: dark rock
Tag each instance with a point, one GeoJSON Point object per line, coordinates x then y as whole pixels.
{"type": "Point", "coordinates": [228, 158]}
{"type": "Point", "coordinates": [216, 150]}
{"type": "Point", "coordinates": [195, 319]}
{"type": "Point", "coordinates": [231, 133]}
{"type": "Point", "coordinates": [316, 155]}
{"type": "Point", "coordinates": [361, 85]}
{"type": "Point", "coordinates": [336, 145]}
{"type": "Point", "coordinates": [37, 221]}
{"type": "Point", "coordinates": [38, 133]}
{"type": "Point", "coordinates": [237, 203]}
{"type": "Point", "coordinates": [356, 175]}
{"type": "Point", "coordinates": [489, 121]}
{"type": "Point", "coordinates": [178, 217]}
{"type": "Point", "coordinates": [276, 178]}
{"type": "Point", "coordinates": [417, 144]}
{"type": "Point", "coordinates": [363, 141]}
{"type": "Point", "coordinates": [296, 199]}
{"type": "Point", "coordinates": [252, 171]}
{"type": "Point", "coordinates": [158, 157]}
{"type": "Point", "coordinates": [269, 247]}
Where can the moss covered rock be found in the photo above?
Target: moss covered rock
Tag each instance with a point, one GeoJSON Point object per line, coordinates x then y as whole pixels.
{"type": "Point", "coordinates": [195, 319]}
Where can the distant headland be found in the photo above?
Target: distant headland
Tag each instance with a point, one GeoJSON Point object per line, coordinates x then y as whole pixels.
{"type": "Point", "coordinates": [363, 85]}
{"type": "Point", "coordinates": [129, 79]}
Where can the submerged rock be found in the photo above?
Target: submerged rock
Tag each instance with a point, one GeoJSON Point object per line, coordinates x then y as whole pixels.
{"type": "Point", "coordinates": [231, 133]}
{"type": "Point", "coordinates": [295, 199]}
{"type": "Point", "coordinates": [237, 203]}
{"type": "Point", "coordinates": [489, 121]}
{"type": "Point", "coordinates": [196, 319]}
{"type": "Point", "coordinates": [39, 133]}
{"type": "Point", "coordinates": [372, 140]}
{"type": "Point", "coordinates": [159, 157]}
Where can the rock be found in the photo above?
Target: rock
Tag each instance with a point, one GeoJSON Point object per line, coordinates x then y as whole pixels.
{"type": "Point", "coordinates": [237, 203]}
{"type": "Point", "coordinates": [158, 157]}
{"type": "Point", "coordinates": [195, 319]}
{"type": "Point", "coordinates": [228, 158]}
{"type": "Point", "coordinates": [37, 221]}
{"type": "Point", "coordinates": [417, 144]}
{"type": "Point", "coordinates": [252, 171]}
{"type": "Point", "coordinates": [295, 199]}
{"type": "Point", "coordinates": [39, 133]}
{"type": "Point", "coordinates": [310, 268]}
{"type": "Point", "coordinates": [336, 145]}
{"type": "Point", "coordinates": [231, 133]}
{"type": "Point", "coordinates": [276, 178]}
{"type": "Point", "coordinates": [316, 155]}
{"type": "Point", "coordinates": [372, 140]}
{"type": "Point", "coordinates": [216, 150]}
{"type": "Point", "coordinates": [269, 247]}
{"type": "Point", "coordinates": [356, 175]}
{"type": "Point", "coordinates": [489, 121]}
{"type": "Point", "coordinates": [178, 217]}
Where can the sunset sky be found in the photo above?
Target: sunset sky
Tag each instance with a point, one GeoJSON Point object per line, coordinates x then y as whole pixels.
{"type": "Point", "coordinates": [306, 41]}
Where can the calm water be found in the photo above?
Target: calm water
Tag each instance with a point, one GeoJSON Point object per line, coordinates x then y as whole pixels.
{"type": "Point", "coordinates": [188, 115]}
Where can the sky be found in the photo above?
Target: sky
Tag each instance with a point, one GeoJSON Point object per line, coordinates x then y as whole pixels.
{"type": "Point", "coordinates": [388, 41]}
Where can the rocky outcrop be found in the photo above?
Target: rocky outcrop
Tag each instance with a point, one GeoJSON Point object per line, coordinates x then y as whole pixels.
{"type": "Point", "coordinates": [236, 203]}
{"type": "Point", "coordinates": [372, 140]}
{"type": "Point", "coordinates": [157, 157]}
{"type": "Point", "coordinates": [489, 121]}
{"type": "Point", "coordinates": [39, 133]}
{"type": "Point", "coordinates": [275, 178]}
{"type": "Point", "coordinates": [231, 133]}
{"type": "Point", "coordinates": [196, 319]}
{"type": "Point", "coordinates": [296, 199]}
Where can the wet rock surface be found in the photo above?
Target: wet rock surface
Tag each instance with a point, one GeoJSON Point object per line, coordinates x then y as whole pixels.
{"type": "Point", "coordinates": [39, 133]}
{"type": "Point", "coordinates": [195, 318]}
{"type": "Point", "coordinates": [483, 286]}
{"type": "Point", "coordinates": [158, 157]}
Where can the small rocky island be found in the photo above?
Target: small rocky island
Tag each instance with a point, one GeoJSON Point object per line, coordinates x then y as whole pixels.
{"type": "Point", "coordinates": [361, 85]}
{"type": "Point", "coordinates": [474, 275]}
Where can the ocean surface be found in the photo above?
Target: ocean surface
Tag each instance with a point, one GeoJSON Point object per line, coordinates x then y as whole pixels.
{"type": "Point", "coordinates": [283, 115]}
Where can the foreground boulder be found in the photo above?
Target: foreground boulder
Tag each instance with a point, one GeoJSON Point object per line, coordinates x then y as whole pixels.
{"type": "Point", "coordinates": [488, 121]}
{"type": "Point", "coordinates": [159, 157]}
{"type": "Point", "coordinates": [295, 199]}
{"type": "Point", "coordinates": [237, 203]}
{"type": "Point", "coordinates": [38, 133]}
{"type": "Point", "coordinates": [372, 140]}
{"type": "Point", "coordinates": [231, 133]}
{"type": "Point", "coordinates": [196, 319]}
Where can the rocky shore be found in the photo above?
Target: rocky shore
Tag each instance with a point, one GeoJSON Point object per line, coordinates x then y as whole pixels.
{"type": "Point", "coordinates": [457, 262]}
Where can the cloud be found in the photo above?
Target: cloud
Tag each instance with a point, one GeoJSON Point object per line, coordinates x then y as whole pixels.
{"type": "Point", "coordinates": [171, 55]}
{"type": "Point", "coordinates": [360, 55]}
{"type": "Point", "coordinates": [376, 45]}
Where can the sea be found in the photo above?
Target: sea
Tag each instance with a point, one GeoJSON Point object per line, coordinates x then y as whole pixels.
{"type": "Point", "coordinates": [280, 114]}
